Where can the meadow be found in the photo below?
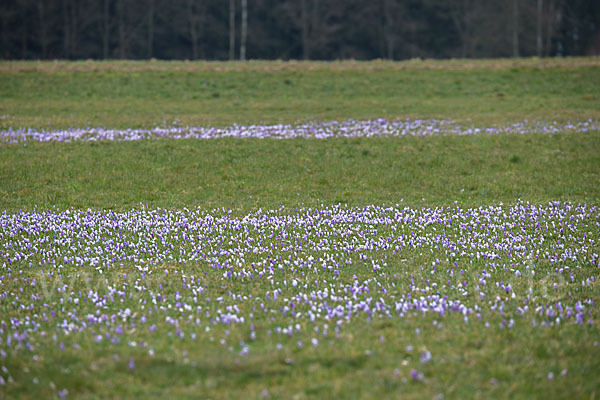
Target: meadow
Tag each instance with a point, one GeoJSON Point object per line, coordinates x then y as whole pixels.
{"type": "Point", "coordinates": [422, 229]}
{"type": "Point", "coordinates": [142, 94]}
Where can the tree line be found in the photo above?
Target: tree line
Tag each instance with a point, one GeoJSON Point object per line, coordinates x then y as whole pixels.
{"type": "Point", "coordinates": [297, 29]}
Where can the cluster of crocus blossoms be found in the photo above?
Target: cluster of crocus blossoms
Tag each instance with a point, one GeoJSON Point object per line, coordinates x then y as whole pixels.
{"type": "Point", "coordinates": [319, 130]}
{"type": "Point", "coordinates": [293, 279]}
{"type": "Point", "coordinates": [121, 277]}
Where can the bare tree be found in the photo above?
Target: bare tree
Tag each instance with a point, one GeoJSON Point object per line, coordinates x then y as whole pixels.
{"type": "Point", "coordinates": [388, 28]}
{"type": "Point", "coordinates": [550, 25]}
{"type": "Point", "coordinates": [74, 27]}
{"type": "Point", "coordinates": [193, 25]}
{"type": "Point", "coordinates": [315, 25]}
{"type": "Point", "coordinates": [306, 29]}
{"type": "Point", "coordinates": [305, 37]}
{"type": "Point", "coordinates": [231, 30]}
{"type": "Point", "coordinates": [462, 13]}
{"type": "Point", "coordinates": [395, 27]}
{"type": "Point", "coordinates": [150, 39]}
{"type": "Point", "coordinates": [74, 22]}
{"type": "Point", "coordinates": [196, 11]}
{"type": "Point", "coordinates": [323, 23]}
{"type": "Point", "coordinates": [105, 28]}
{"type": "Point", "coordinates": [79, 19]}
{"type": "Point", "coordinates": [515, 28]}
{"type": "Point", "coordinates": [538, 42]}
{"type": "Point", "coordinates": [24, 29]}
{"type": "Point", "coordinates": [244, 32]}
{"type": "Point", "coordinates": [66, 29]}
{"type": "Point", "coordinates": [4, 17]}
{"type": "Point", "coordinates": [121, 22]}
{"type": "Point", "coordinates": [43, 28]}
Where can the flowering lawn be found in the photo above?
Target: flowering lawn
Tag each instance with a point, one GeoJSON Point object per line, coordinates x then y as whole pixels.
{"type": "Point", "coordinates": [191, 230]}
{"type": "Point", "coordinates": [462, 296]}
{"type": "Point", "coordinates": [325, 302]}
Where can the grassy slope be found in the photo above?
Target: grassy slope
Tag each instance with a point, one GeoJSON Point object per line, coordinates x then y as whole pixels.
{"type": "Point", "coordinates": [469, 361]}
{"type": "Point", "coordinates": [145, 94]}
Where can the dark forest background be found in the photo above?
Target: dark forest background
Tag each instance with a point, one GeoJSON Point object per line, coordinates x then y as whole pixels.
{"type": "Point", "coordinates": [297, 29]}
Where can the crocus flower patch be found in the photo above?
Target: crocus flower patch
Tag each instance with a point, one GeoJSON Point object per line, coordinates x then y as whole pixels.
{"type": "Point", "coordinates": [318, 130]}
{"type": "Point", "coordinates": [175, 285]}
{"type": "Point", "coordinates": [308, 270]}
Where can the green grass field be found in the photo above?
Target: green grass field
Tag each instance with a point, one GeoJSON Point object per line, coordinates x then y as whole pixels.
{"type": "Point", "coordinates": [245, 175]}
{"type": "Point", "coordinates": [133, 94]}
{"type": "Point", "coordinates": [500, 352]}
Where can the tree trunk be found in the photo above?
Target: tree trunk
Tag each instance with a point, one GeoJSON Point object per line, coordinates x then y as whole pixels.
{"type": "Point", "coordinates": [388, 29]}
{"type": "Point", "coordinates": [539, 42]}
{"type": "Point", "coordinates": [549, 27]}
{"type": "Point", "coordinates": [515, 28]}
{"type": "Point", "coordinates": [244, 32]}
{"type": "Point", "coordinates": [106, 29]}
{"type": "Point", "coordinates": [193, 28]}
{"type": "Point", "coordinates": [43, 29]}
{"type": "Point", "coordinates": [231, 30]}
{"type": "Point", "coordinates": [460, 17]}
{"type": "Point", "coordinates": [202, 23]}
{"type": "Point", "coordinates": [413, 40]}
{"type": "Point", "coordinates": [121, 22]}
{"type": "Point", "coordinates": [67, 36]}
{"type": "Point", "coordinates": [305, 39]}
{"type": "Point", "coordinates": [4, 51]}
{"type": "Point", "coordinates": [74, 28]}
{"type": "Point", "coordinates": [150, 45]}
{"type": "Point", "coordinates": [315, 27]}
{"type": "Point", "coordinates": [465, 36]}
{"type": "Point", "coordinates": [24, 50]}
{"type": "Point", "coordinates": [381, 31]}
